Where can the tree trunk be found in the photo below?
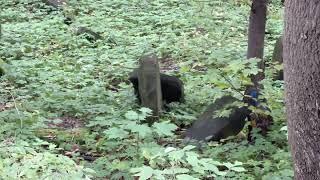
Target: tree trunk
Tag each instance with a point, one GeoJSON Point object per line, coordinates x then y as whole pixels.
{"type": "Point", "coordinates": [302, 85]}
{"type": "Point", "coordinates": [256, 32]}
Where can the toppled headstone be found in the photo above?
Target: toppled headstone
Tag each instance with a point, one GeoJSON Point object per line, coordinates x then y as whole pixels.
{"type": "Point", "coordinates": [210, 128]}
{"type": "Point", "coordinates": [2, 69]}
{"type": "Point", "coordinates": [88, 33]}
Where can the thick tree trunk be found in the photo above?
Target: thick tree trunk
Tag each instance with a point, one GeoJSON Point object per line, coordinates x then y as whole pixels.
{"type": "Point", "coordinates": [302, 85]}
{"type": "Point", "coordinates": [256, 32]}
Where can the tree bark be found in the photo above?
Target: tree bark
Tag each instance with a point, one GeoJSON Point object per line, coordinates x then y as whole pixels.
{"type": "Point", "coordinates": [256, 33]}
{"type": "Point", "coordinates": [302, 85]}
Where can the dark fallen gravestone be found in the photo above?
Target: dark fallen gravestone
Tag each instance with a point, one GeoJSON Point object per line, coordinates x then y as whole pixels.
{"type": "Point", "coordinates": [150, 86]}
{"type": "Point", "coordinates": [2, 68]}
{"type": "Point", "coordinates": [171, 87]}
{"type": "Point", "coordinates": [89, 34]}
{"type": "Point", "coordinates": [278, 57]}
{"type": "Point", "coordinates": [1, 71]}
{"type": "Point", "coordinates": [210, 128]}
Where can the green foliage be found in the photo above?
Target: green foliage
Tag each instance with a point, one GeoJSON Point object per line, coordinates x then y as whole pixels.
{"type": "Point", "coordinates": [20, 160]}
{"type": "Point", "coordinates": [182, 163]}
{"type": "Point", "coordinates": [52, 76]}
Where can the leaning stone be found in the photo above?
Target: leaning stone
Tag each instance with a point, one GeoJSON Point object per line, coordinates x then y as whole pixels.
{"type": "Point", "coordinates": [150, 86]}
{"type": "Point", "coordinates": [88, 33]}
{"type": "Point", "coordinates": [171, 87]}
{"type": "Point", "coordinates": [210, 128]}
{"type": "Point", "coordinates": [278, 57]}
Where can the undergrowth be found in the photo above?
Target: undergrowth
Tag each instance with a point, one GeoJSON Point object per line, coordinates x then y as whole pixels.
{"type": "Point", "coordinates": [67, 109]}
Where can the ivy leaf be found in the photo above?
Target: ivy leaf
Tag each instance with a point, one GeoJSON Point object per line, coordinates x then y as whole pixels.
{"type": "Point", "coordinates": [131, 115]}
{"type": "Point", "coordinates": [235, 167]}
{"type": "Point", "coordinates": [145, 112]}
{"type": "Point", "coordinates": [238, 169]}
{"type": "Point", "coordinates": [189, 147]}
{"type": "Point", "coordinates": [175, 170]}
{"type": "Point", "coordinates": [158, 174]}
{"type": "Point", "coordinates": [186, 177]}
{"type": "Point", "coordinates": [116, 133]}
{"type": "Point", "coordinates": [142, 129]}
{"type": "Point", "coordinates": [192, 158]}
{"type": "Point", "coordinates": [164, 128]}
{"type": "Point", "coordinates": [100, 121]}
{"type": "Point", "coordinates": [143, 173]}
{"type": "Point", "coordinates": [176, 156]}
{"type": "Point", "coordinates": [169, 149]}
{"type": "Point", "coordinates": [228, 165]}
{"type": "Point", "coordinates": [184, 69]}
{"type": "Point", "coordinates": [237, 163]}
{"type": "Point", "coordinates": [121, 165]}
{"type": "Point", "coordinates": [209, 165]}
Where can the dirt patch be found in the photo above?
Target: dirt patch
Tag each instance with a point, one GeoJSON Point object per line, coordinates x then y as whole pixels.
{"type": "Point", "coordinates": [199, 67]}
{"type": "Point", "coordinates": [2, 107]}
{"type": "Point", "coordinates": [168, 64]}
{"type": "Point", "coordinates": [198, 31]}
{"type": "Point", "coordinates": [114, 83]}
{"type": "Point", "coordinates": [66, 122]}
{"type": "Point", "coordinates": [5, 106]}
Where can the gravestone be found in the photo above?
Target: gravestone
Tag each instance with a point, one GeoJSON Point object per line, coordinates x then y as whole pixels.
{"type": "Point", "coordinates": [150, 86]}
{"type": "Point", "coordinates": [278, 57]}
{"type": "Point", "coordinates": [1, 71]}
{"type": "Point", "coordinates": [210, 128]}
{"type": "Point", "coordinates": [89, 34]}
{"type": "Point", "coordinates": [171, 87]}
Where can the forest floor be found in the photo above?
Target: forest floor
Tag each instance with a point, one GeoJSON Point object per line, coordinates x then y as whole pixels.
{"type": "Point", "coordinates": [67, 108]}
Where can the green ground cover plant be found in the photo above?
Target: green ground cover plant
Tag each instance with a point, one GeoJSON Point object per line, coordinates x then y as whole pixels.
{"type": "Point", "coordinates": [67, 109]}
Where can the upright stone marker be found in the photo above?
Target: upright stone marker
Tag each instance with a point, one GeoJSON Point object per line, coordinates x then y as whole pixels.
{"type": "Point", "coordinates": [150, 85]}
{"type": "Point", "coordinates": [278, 57]}
{"type": "Point", "coordinates": [171, 87]}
